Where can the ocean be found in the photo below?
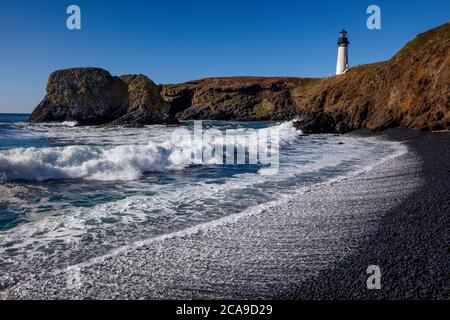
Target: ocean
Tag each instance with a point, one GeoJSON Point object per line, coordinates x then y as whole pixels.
{"type": "Point", "coordinates": [69, 194]}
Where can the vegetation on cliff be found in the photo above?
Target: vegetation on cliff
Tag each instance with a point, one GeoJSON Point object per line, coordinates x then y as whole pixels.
{"type": "Point", "coordinates": [411, 90]}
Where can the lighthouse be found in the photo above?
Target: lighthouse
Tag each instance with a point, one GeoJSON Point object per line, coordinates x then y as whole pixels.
{"type": "Point", "coordinates": [342, 60]}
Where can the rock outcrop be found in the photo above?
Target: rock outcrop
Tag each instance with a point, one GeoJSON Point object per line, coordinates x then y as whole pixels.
{"type": "Point", "coordinates": [411, 90]}
{"type": "Point", "coordinates": [241, 98]}
{"type": "Point", "coordinates": [91, 96]}
{"type": "Point", "coordinates": [145, 104]}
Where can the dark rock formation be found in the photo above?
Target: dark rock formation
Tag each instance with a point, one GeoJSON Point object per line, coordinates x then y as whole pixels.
{"type": "Point", "coordinates": [242, 98]}
{"type": "Point", "coordinates": [91, 96]}
{"type": "Point", "coordinates": [411, 90]}
{"type": "Point", "coordinates": [321, 122]}
{"type": "Point", "coordinates": [86, 95]}
{"type": "Point", "coordinates": [145, 104]}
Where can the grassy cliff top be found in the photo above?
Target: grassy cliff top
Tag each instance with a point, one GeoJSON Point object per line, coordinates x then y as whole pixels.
{"type": "Point", "coordinates": [426, 40]}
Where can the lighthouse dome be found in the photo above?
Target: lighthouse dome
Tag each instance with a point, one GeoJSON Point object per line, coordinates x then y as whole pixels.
{"type": "Point", "coordinates": [343, 40]}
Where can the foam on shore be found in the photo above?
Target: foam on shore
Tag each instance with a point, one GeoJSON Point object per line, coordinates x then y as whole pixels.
{"type": "Point", "coordinates": [259, 253]}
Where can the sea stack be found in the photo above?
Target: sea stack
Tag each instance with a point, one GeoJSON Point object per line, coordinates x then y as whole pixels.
{"type": "Point", "coordinates": [92, 96]}
{"type": "Point", "coordinates": [342, 60]}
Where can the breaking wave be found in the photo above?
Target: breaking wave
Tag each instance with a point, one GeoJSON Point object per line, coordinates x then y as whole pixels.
{"type": "Point", "coordinates": [109, 163]}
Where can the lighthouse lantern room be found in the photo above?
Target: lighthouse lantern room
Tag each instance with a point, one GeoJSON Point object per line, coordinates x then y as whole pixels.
{"type": "Point", "coordinates": [342, 60]}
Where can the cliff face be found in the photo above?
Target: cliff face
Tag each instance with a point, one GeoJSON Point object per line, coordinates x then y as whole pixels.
{"type": "Point", "coordinates": [85, 95]}
{"type": "Point", "coordinates": [91, 96]}
{"type": "Point", "coordinates": [411, 90]}
{"type": "Point", "coordinates": [145, 104]}
{"type": "Point", "coordinates": [241, 98]}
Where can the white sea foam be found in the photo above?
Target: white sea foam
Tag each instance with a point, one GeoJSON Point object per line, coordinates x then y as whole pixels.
{"type": "Point", "coordinates": [137, 206]}
{"type": "Point", "coordinates": [70, 123]}
{"type": "Point", "coordinates": [108, 162]}
{"type": "Point", "coordinates": [84, 162]}
{"type": "Point", "coordinates": [63, 231]}
{"type": "Point", "coordinates": [398, 150]}
{"type": "Point", "coordinates": [71, 223]}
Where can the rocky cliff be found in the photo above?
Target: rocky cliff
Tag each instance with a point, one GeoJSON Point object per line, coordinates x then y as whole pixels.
{"type": "Point", "coordinates": [411, 90]}
{"type": "Point", "coordinates": [91, 96]}
{"type": "Point", "coordinates": [240, 98]}
{"type": "Point", "coordinates": [145, 104]}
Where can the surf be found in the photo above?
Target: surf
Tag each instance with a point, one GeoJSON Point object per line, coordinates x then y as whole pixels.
{"type": "Point", "coordinates": [124, 162]}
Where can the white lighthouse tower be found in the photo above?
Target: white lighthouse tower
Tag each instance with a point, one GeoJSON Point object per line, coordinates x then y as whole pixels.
{"type": "Point", "coordinates": [342, 60]}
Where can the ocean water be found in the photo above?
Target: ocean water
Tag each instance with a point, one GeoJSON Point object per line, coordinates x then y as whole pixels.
{"type": "Point", "coordinates": [69, 194]}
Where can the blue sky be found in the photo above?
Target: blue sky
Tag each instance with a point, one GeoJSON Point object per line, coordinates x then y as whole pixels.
{"type": "Point", "coordinates": [174, 41]}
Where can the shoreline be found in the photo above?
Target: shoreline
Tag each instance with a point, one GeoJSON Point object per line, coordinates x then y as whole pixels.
{"type": "Point", "coordinates": [305, 247]}
{"type": "Point", "coordinates": [411, 242]}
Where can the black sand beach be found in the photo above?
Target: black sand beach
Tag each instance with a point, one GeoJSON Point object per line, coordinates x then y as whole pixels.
{"type": "Point", "coordinates": [412, 243]}
{"type": "Point", "coordinates": [317, 245]}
